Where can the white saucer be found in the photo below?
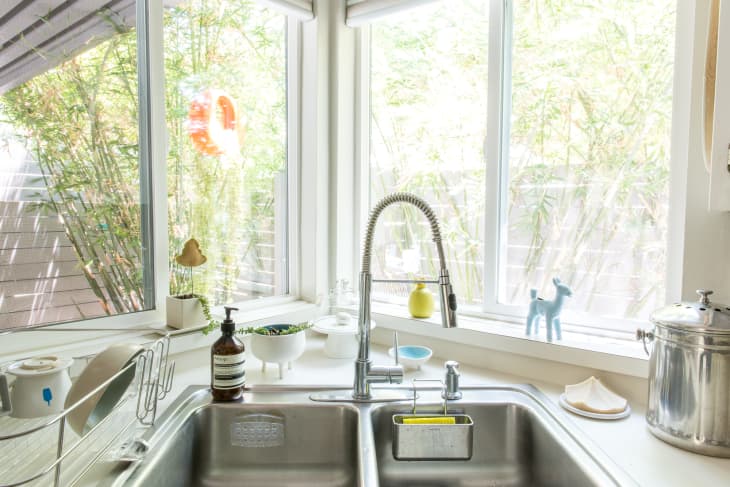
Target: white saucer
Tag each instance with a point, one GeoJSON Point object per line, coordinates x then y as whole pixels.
{"type": "Point", "coordinates": [623, 414]}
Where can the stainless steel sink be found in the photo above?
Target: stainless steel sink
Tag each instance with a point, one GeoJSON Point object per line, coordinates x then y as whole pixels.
{"type": "Point", "coordinates": [517, 442]}
{"type": "Point", "coordinates": [282, 439]}
{"type": "Point", "coordinates": [278, 437]}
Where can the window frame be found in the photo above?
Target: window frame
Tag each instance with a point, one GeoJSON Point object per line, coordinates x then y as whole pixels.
{"type": "Point", "coordinates": [153, 140]}
{"type": "Point", "coordinates": [497, 175]}
{"type": "Point", "coordinates": [294, 42]}
{"type": "Point", "coordinates": [159, 133]}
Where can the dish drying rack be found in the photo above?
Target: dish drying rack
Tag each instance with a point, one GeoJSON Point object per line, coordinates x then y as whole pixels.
{"type": "Point", "coordinates": [27, 446]}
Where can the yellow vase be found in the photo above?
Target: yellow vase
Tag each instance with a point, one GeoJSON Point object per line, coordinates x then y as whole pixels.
{"type": "Point", "coordinates": [420, 303]}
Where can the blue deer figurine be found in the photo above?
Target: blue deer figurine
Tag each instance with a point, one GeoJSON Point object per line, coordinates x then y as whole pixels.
{"type": "Point", "coordinates": [549, 309]}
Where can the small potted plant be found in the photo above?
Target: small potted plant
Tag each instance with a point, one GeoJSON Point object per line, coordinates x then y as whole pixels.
{"type": "Point", "coordinates": [281, 343]}
{"type": "Point", "coordinates": [188, 310]}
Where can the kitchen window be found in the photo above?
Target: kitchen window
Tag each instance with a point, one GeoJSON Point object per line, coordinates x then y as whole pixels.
{"type": "Point", "coordinates": [75, 206]}
{"type": "Point", "coordinates": [540, 132]}
{"type": "Point", "coordinates": [99, 141]}
{"type": "Point", "coordinates": [227, 171]}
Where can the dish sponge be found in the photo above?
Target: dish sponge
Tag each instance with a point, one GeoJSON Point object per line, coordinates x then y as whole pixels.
{"type": "Point", "coordinates": [592, 396]}
{"type": "Point", "coordinates": [430, 420]}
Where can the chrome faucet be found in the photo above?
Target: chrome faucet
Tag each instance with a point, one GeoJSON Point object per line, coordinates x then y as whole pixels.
{"type": "Point", "coordinates": [365, 372]}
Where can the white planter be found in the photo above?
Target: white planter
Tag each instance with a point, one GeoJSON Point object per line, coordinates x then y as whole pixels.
{"type": "Point", "coordinates": [184, 313]}
{"type": "Point", "coordinates": [280, 349]}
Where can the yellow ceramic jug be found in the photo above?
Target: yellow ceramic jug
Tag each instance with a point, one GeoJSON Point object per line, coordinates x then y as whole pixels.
{"type": "Point", "coordinates": [420, 303]}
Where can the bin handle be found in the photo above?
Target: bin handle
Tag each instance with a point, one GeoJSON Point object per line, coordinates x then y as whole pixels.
{"type": "Point", "coordinates": [644, 335]}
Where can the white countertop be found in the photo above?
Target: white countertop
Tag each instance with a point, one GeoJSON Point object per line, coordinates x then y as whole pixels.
{"type": "Point", "coordinates": [628, 442]}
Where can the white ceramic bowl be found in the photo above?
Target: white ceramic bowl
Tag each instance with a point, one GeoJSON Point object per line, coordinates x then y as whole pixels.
{"type": "Point", "coordinates": [101, 368]}
{"type": "Point", "coordinates": [412, 356]}
{"type": "Point", "coordinates": [280, 349]}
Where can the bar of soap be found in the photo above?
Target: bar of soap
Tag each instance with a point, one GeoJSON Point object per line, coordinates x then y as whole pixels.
{"type": "Point", "coordinates": [592, 396]}
{"type": "Point", "coordinates": [431, 420]}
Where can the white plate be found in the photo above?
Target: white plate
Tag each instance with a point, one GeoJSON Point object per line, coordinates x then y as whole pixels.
{"type": "Point", "coordinates": [623, 414]}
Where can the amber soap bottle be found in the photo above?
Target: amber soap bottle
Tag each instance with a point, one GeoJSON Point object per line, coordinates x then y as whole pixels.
{"type": "Point", "coordinates": [227, 363]}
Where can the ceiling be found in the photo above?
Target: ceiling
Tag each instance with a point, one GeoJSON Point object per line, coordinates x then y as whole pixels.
{"type": "Point", "coordinates": [36, 35]}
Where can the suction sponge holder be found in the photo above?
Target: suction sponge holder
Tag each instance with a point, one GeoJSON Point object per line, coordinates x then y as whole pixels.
{"type": "Point", "coordinates": [432, 437]}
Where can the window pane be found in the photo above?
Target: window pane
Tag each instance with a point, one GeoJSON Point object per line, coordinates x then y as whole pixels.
{"type": "Point", "coordinates": [71, 246]}
{"type": "Point", "coordinates": [428, 123]}
{"type": "Point", "coordinates": [225, 67]}
{"type": "Point", "coordinates": [589, 153]}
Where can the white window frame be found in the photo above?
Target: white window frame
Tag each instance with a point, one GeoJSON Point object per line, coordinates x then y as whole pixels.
{"type": "Point", "coordinates": [496, 148]}
{"type": "Point", "coordinates": [152, 143]}
{"type": "Point", "coordinates": [153, 147]}
{"type": "Point", "coordinates": [289, 249]}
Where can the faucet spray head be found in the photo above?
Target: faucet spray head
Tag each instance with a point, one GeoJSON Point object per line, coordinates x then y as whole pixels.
{"type": "Point", "coordinates": [447, 300]}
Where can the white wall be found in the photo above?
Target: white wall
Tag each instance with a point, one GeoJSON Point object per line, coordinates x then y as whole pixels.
{"type": "Point", "coordinates": [705, 242]}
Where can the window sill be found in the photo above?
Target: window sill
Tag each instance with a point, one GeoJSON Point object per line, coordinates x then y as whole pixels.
{"type": "Point", "coordinates": [611, 354]}
{"type": "Point", "coordinates": [250, 313]}
{"type": "Point", "coordinates": [53, 340]}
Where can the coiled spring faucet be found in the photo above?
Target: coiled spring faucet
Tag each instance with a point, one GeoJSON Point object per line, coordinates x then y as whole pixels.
{"type": "Point", "coordinates": [365, 372]}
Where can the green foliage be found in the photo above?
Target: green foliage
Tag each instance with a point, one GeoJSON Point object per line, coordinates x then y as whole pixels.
{"type": "Point", "coordinates": [212, 323]}
{"type": "Point", "coordinates": [81, 119]}
{"type": "Point", "coordinates": [80, 122]}
{"type": "Point", "coordinates": [261, 330]}
{"type": "Point", "coordinates": [588, 146]}
{"type": "Point", "coordinates": [227, 202]}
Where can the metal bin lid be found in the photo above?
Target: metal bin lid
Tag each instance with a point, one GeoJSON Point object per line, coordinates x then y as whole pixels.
{"type": "Point", "coordinates": [701, 316]}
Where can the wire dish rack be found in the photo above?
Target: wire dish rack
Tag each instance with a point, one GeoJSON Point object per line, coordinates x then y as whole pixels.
{"type": "Point", "coordinates": [44, 451]}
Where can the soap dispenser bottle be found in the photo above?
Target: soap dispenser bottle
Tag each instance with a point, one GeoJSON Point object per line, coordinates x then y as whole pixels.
{"type": "Point", "coordinates": [227, 363]}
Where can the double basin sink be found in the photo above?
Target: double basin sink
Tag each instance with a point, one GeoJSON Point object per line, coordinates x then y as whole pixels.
{"type": "Point", "coordinates": [278, 436]}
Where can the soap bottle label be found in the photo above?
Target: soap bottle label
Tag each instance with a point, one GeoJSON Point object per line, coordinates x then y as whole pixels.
{"type": "Point", "coordinates": [229, 371]}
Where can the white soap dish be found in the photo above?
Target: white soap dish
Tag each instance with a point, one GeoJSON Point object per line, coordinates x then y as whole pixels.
{"type": "Point", "coordinates": [587, 414]}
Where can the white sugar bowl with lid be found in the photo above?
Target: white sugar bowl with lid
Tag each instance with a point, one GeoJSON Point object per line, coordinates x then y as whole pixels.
{"type": "Point", "coordinates": [40, 387]}
{"type": "Point", "coordinates": [342, 334]}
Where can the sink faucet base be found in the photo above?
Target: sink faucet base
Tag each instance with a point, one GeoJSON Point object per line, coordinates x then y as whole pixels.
{"type": "Point", "coordinates": [381, 395]}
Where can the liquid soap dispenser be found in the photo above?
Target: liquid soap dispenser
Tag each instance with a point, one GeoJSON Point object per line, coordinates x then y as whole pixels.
{"type": "Point", "coordinates": [227, 363]}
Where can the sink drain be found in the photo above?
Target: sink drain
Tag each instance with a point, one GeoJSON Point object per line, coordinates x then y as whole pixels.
{"type": "Point", "coordinates": [258, 431]}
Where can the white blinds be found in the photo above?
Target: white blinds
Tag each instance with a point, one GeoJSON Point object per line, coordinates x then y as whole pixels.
{"type": "Point", "coordinates": [361, 12]}
{"type": "Point", "coordinates": [299, 9]}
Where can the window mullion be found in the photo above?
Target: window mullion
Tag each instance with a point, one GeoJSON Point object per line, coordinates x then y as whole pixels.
{"type": "Point", "coordinates": [294, 113]}
{"type": "Point", "coordinates": [496, 147]}
{"type": "Point", "coordinates": [362, 144]}
{"type": "Point", "coordinates": [153, 148]}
